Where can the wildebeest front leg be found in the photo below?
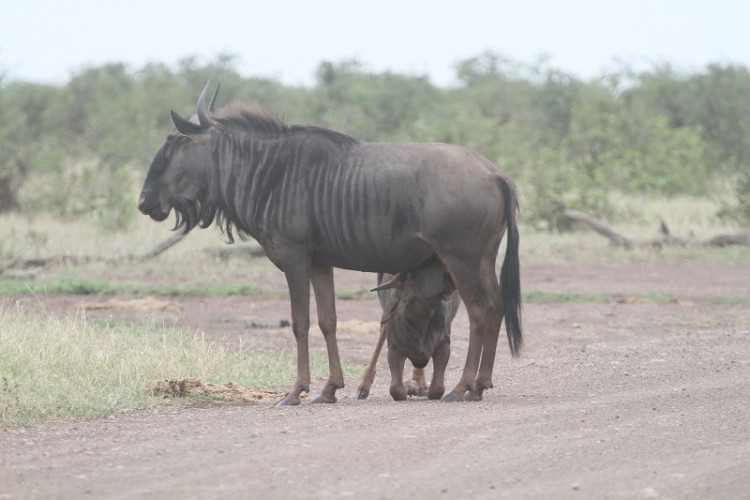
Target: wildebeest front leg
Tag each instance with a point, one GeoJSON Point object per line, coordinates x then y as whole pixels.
{"type": "Point", "coordinates": [439, 363]}
{"type": "Point", "coordinates": [325, 298]}
{"type": "Point", "coordinates": [396, 362]}
{"type": "Point", "coordinates": [297, 277]}
{"type": "Point", "coordinates": [368, 376]}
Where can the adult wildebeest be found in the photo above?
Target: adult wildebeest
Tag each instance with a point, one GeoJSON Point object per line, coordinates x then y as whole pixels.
{"type": "Point", "coordinates": [316, 199]}
{"type": "Point", "coordinates": [418, 307]}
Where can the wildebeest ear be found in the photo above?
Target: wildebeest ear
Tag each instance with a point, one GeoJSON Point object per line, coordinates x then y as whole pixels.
{"type": "Point", "coordinates": [185, 127]}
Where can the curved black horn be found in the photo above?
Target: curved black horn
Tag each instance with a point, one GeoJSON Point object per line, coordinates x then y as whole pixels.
{"type": "Point", "coordinates": [204, 114]}
{"type": "Point", "coordinates": [388, 284]}
{"type": "Point", "coordinates": [212, 104]}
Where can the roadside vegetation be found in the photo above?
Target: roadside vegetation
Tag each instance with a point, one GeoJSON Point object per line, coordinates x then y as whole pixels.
{"type": "Point", "coordinates": [54, 368]}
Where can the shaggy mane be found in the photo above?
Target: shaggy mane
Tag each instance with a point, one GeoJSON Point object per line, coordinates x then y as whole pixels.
{"type": "Point", "coordinates": [244, 118]}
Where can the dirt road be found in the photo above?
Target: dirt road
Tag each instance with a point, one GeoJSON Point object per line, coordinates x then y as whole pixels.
{"type": "Point", "coordinates": [611, 400]}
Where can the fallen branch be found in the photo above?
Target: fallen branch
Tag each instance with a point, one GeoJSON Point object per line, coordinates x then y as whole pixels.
{"type": "Point", "coordinates": [667, 238]}
{"type": "Point", "coordinates": [616, 238]}
{"type": "Point", "coordinates": [77, 260]}
{"type": "Point", "coordinates": [164, 245]}
{"type": "Point", "coordinates": [722, 240]}
{"type": "Point", "coordinates": [39, 263]}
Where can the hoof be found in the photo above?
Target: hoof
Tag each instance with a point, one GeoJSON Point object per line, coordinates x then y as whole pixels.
{"type": "Point", "coordinates": [451, 398]}
{"type": "Point", "coordinates": [398, 394]}
{"type": "Point", "coordinates": [412, 389]}
{"type": "Point", "coordinates": [435, 394]}
{"type": "Point", "coordinates": [287, 401]}
{"type": "Point", "coordinates": [472, 396]}
{"type": "Point", "coordinates": [322, 399]}
{"type": "Point", "coordinates": [362, 393]}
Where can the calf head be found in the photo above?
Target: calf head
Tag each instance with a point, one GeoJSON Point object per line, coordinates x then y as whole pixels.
{"type": "Point", "coordinates": [410, 306]}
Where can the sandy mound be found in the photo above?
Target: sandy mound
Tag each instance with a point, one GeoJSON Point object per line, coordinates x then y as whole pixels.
{"type": "Point", "coordinates": [193, 386]}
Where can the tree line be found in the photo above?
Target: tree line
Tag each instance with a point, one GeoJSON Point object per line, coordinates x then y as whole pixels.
{"type": "Point", "coordinates": [570, 143]}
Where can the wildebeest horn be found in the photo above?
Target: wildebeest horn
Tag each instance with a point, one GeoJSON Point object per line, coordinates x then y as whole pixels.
{"type": "Point", "coordinates": [204, 114]}
{"type": "Point", "coordinates": [212, 104]}
{"type": "Point", "coordinates": [388, 284]}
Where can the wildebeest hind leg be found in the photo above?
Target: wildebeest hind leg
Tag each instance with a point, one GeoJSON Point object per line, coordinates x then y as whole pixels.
{"type": "Point", "coordinates": [468, 283]}
{"type": "Point", "coordinates": [325, 298]}
{"type": "Point", "coordinates": [494, 314]}
{"type": "Point", "coordinates": [368, 376]}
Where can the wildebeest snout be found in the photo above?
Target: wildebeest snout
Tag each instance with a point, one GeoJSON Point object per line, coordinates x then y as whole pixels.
{"type": "Point", "coordinates": [149, 204]}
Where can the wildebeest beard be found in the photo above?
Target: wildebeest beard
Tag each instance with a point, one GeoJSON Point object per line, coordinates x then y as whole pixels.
{"type": "Point", "coordinates": [191, 213]}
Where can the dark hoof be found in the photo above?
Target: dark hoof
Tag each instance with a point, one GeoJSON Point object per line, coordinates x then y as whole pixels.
{"type": "Point", "coordinates": [323, 399]}
{"type": "Point", "coordinates": [435, 394]}
{"type": "Point", "coordinates": [362, 393]}
{"type": "Point", "coordinates": [472, 396]}
{"type": "Point", "coordinates": [451, 398]}
{"type": "Point", "coordinates": [398, 394]}
{"type": "Point", "coordinates": [287, 401]}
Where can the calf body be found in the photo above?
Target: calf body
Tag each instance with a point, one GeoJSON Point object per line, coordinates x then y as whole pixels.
{"type": "Point", "coordinates": [418, 307]}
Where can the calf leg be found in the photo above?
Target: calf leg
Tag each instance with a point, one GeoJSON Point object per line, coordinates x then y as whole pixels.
{"type": "Point", "coordinates": [439, 363]}
{"type": "Point", "coordinates": [396, 362]}
{"type": "Point", "coordinates": [368, 376]}
{"type": "Point", "coordinates": [417, 386]}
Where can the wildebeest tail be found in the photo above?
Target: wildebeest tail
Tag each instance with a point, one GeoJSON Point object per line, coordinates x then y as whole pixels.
{"type": "Point", "coordinates": [510, 274]}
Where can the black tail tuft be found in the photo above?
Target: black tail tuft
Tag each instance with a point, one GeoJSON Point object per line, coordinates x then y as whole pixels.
{"type": "Point", "coordinates": [510, 273]}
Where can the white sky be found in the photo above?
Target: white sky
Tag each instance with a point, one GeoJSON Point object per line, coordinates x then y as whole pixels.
{"type": "Point", "coordinates": [48, 41]}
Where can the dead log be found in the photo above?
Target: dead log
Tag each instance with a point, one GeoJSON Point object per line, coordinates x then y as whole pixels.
{"type": "Point", "coordinates": [164, 245]}
{"type": "Point", "coordinates": [77, 260]}
{"type": "Point", "coordinates": [722, 240]}
{"type": "Point", "coordinates": [667, 238]}
{"type": "Point", "coordinates": [614, 237]}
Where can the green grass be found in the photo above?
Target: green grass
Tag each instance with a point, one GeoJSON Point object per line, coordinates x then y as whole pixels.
{"type": "Point", "coordinates": [100, 287]}
{"type": "Point", "coordinates": [68, 367]}
{"type": "Point", "coordinates": [541, 297]}
{"type": "Point", "coordinates": [730, 301]}
{"type": "Point", "coordinates": [60, 286]}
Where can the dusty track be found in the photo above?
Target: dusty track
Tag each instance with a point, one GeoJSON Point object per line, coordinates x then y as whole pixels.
{"type": "Point", "coordinates": [613, 400]}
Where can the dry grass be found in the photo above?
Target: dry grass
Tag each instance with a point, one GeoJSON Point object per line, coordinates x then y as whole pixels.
{"type": "Point", "coordinates": [69, 367]}
{"type": "Point", "coordinates": [686, 217]}
{"type": "Point", "coordinates": [204, 263]}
